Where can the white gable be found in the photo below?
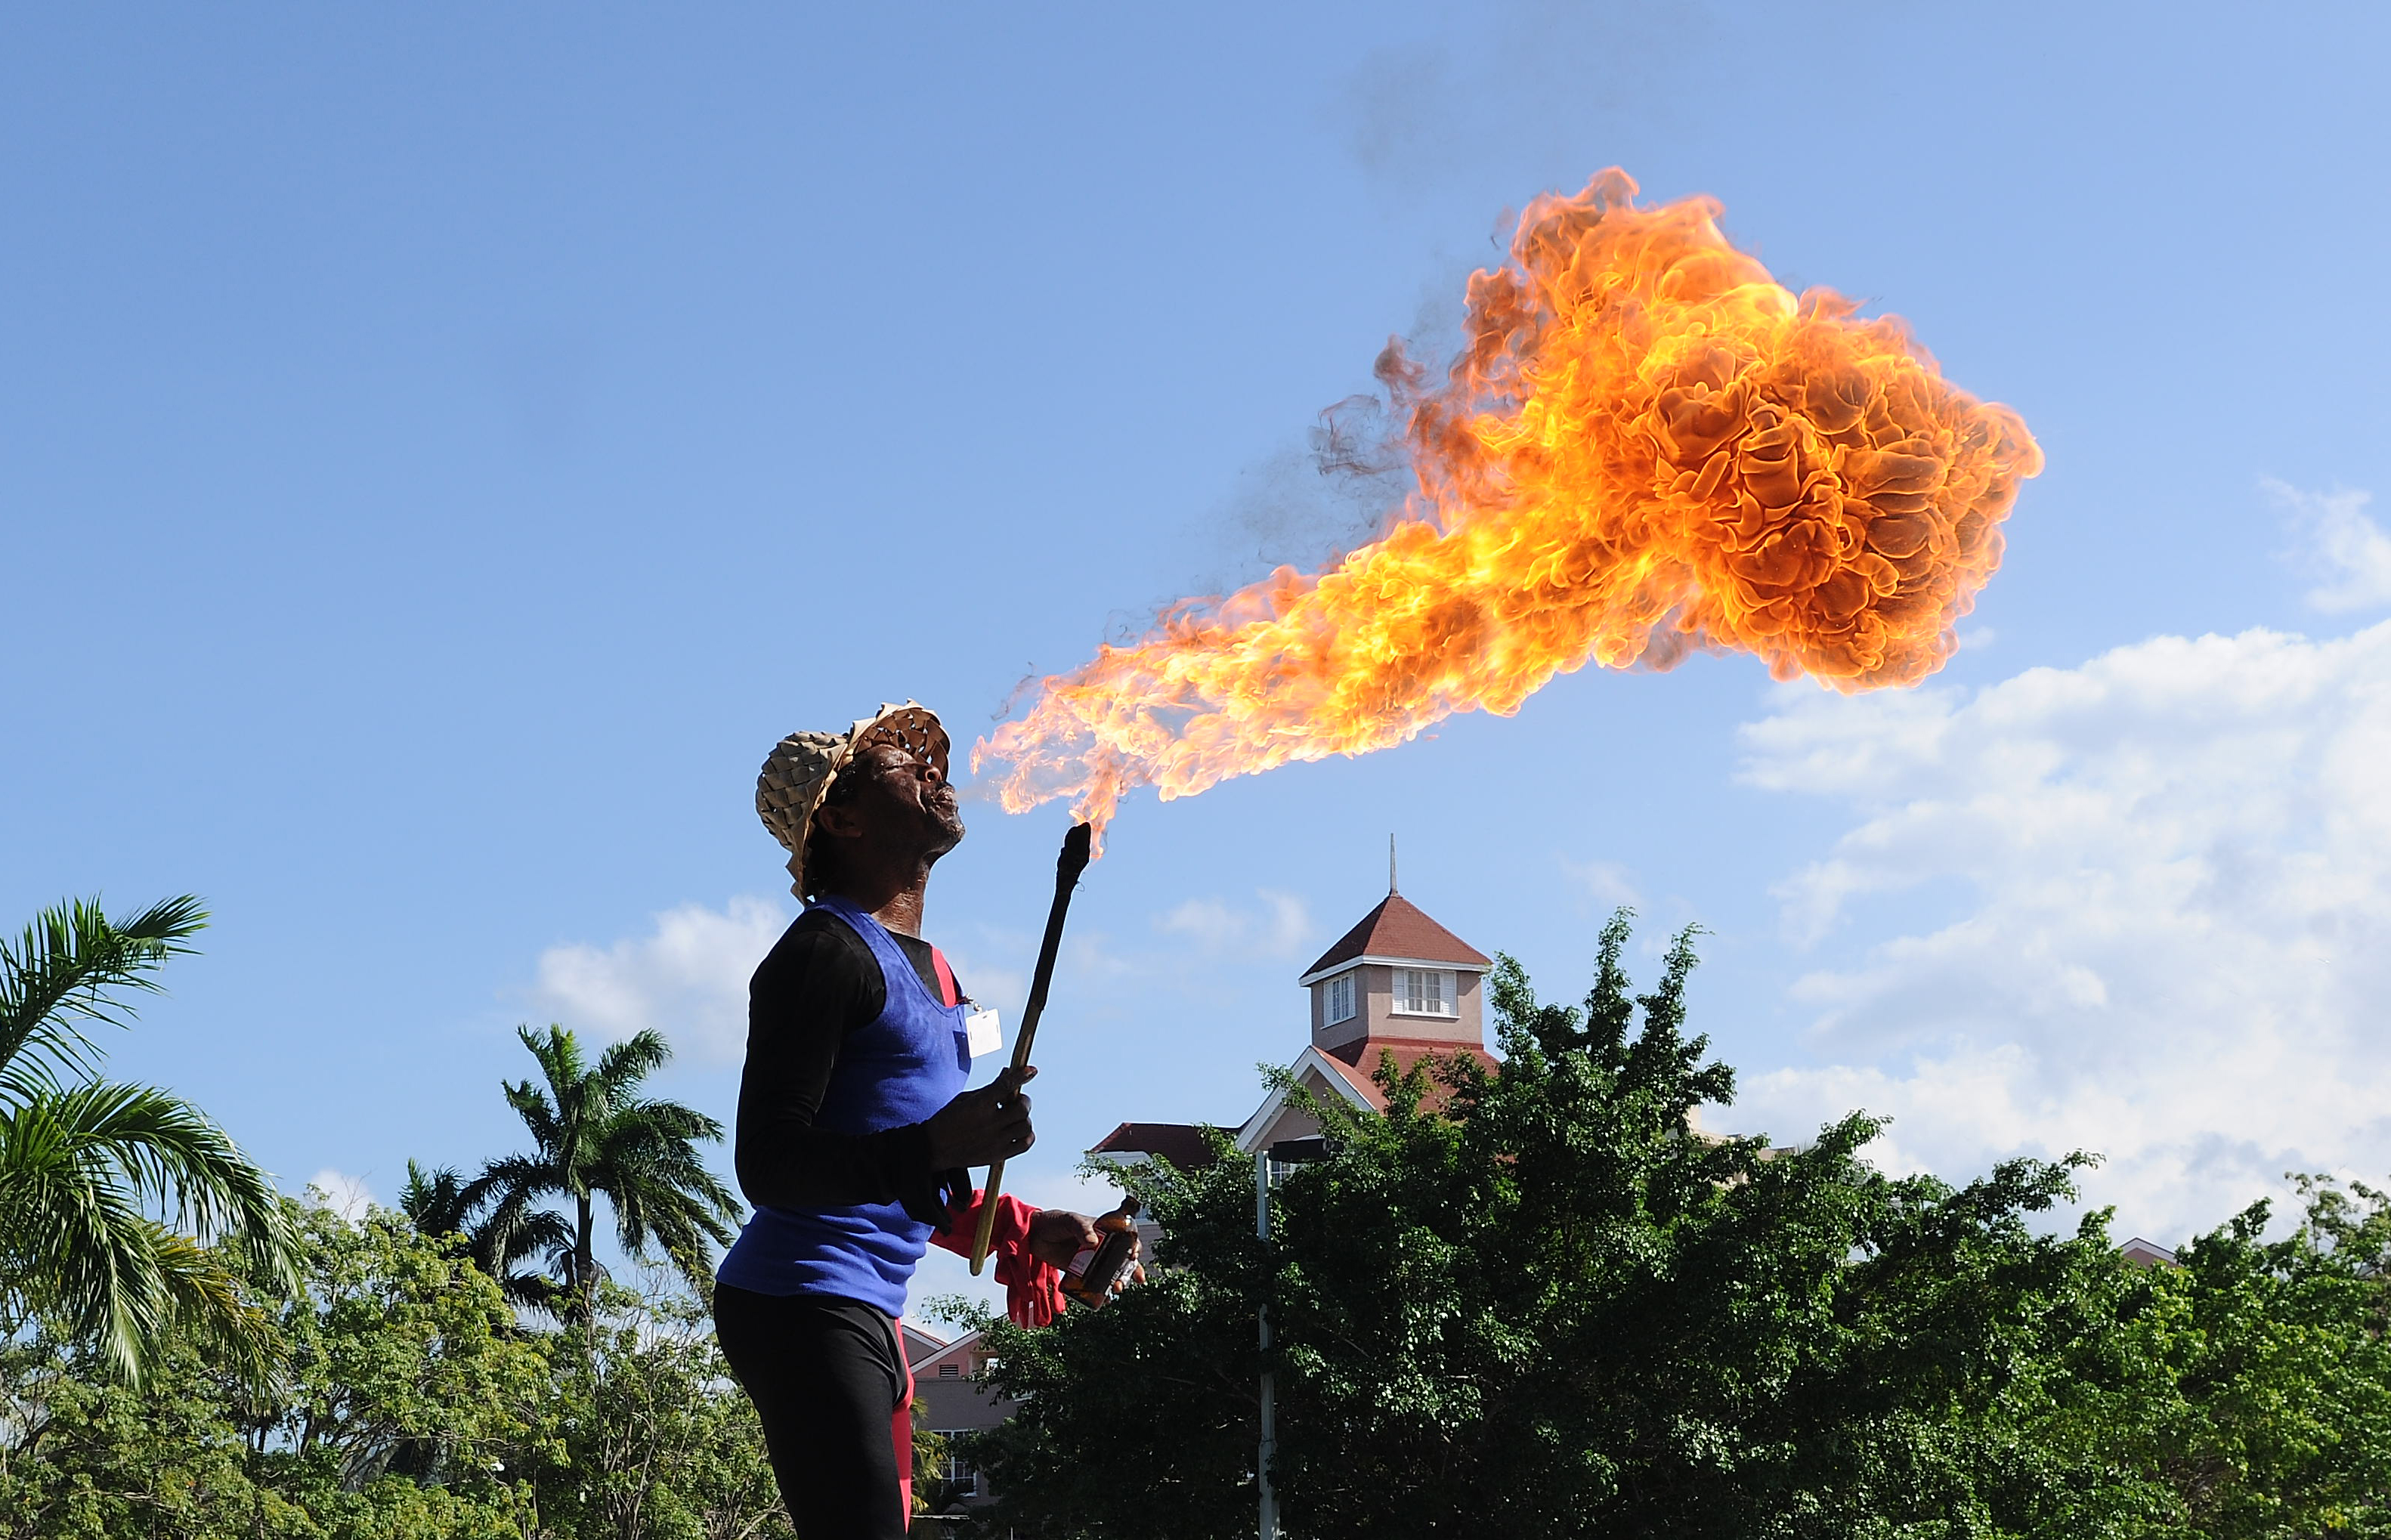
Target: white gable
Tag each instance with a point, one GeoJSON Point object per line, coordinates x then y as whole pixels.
{"type": "Point", "coordinates": [1315, 1073]}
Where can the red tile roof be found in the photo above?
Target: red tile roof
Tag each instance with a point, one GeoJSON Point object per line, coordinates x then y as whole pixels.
{"type": "Point", "coordinates": [1181, 1143]}
{"type": "Point", "coordinates": [1358, 1061]}
{"type": "Point", "coordinates": [1399, 928]}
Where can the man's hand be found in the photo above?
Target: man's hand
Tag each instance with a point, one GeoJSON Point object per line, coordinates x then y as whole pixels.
{"type": "Point", "coordinates": [1057, 1235]}
{"type": "Point", "coordinates": [981, 1127]}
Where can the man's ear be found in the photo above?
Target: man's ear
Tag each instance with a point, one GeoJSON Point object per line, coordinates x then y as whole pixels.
{"type": "Point", "coordinates": [839, 823]}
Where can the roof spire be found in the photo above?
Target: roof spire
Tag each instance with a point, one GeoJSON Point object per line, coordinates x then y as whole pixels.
{"type": "Point", "coordinates": [1391, 865]}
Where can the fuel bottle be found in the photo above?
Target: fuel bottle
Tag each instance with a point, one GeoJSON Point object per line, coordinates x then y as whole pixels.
{"type": "Point", "coordinates": [1099, 1271]}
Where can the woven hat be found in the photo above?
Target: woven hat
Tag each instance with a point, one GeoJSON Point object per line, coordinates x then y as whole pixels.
{"type": "Point", "coordinates": [798, 772]}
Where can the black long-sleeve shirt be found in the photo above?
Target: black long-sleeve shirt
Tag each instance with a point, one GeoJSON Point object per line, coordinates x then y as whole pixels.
{"type": "Point", "coordinates": [819, 983]}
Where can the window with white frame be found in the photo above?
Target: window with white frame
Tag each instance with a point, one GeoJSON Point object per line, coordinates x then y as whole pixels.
{"type": "Point", "coordinates": [1340, 999]}
{"type": "Point", "coordinates": [1425, 991]}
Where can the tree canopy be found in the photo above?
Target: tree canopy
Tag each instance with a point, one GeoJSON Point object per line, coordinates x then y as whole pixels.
{"type": "Point", "coordinates": [411, 1404]}
{"type": "Point", "coordinates": [1536, 1301]}
{"type": "Point", "coordinates": [1530, 1299]}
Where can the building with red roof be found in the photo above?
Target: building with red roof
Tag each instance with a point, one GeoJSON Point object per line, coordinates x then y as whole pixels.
{"type": "Point", "coordinates": [1398, 986]}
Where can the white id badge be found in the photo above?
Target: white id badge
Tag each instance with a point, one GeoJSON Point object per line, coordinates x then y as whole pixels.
{"type": "Point", "coordinates": [982, 1034]}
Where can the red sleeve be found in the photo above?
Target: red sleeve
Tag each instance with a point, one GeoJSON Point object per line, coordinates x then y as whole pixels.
{"type": "Point", "coordinates": [1033, 1289]}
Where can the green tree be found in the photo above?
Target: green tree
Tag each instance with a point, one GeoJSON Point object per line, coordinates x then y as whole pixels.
{"type": "Point", "coordinates": [593, 1134]}
{"type": "Point", "coordinates": [404, 1362]}
{"type": "Point", "coordinates": [931, 1492]}
{"type": "Point", "coordinates": [656, 1442]}
{"type": "Point", "coordinates": [112, 1195]}
{"type": "Point", "coordinates": [391, 1344]}
{"type": "Point", "coordinates": [1532, 1300]}
{"type": "Point", "coordinates": [84, 1458]}
{"type": "Point", "coordinates": [2249, 1388]}
{"type": "Point", "coordinates": [412, 1406]}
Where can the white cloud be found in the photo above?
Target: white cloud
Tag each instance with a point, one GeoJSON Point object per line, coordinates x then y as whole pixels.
{"type": "Point", "coordinates": [345, 1194]}
{"type": "Point", "coordinates": [2174, 945]}
{"type": "Point", "coordinates": [1607, 881]}
{"type": "Point", "coordinates": [1278, 927]}
{"type": "Point", "coordinates": [687, 978]}
{"type": "Point", "coordinates": [2342, 545]}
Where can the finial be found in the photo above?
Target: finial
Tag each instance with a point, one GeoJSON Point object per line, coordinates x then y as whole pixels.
{"type": "Point", "coordinates": [1390, 866]}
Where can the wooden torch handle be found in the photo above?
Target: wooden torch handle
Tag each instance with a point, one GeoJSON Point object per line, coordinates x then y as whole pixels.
{"type": "Point", "coordinates": [1067, 867]}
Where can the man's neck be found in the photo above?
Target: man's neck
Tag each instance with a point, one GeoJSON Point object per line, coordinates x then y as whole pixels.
{"type": "Point", "coordinates": [892, 897]}
{"type": "Point", "coordinates": [902, 914]}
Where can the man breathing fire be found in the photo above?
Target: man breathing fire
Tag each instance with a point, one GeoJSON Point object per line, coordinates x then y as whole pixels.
{"type": "Point", "coordinates": [855, 1131]}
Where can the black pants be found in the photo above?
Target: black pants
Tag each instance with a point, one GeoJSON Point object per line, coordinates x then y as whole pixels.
{"type": "Point", "coordinates": [827, 1377]}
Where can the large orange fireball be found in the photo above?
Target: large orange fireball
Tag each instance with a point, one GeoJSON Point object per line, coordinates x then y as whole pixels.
{"type": "Point", "coordinates": [1647, 445]}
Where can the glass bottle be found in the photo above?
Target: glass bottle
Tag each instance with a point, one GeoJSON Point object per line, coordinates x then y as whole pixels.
{"type": "Point", "coordinates": [1099, 1271]}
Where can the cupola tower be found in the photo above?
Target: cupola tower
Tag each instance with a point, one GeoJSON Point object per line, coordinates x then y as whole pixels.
{"type": "Point", "coordinates": [1398, 980]}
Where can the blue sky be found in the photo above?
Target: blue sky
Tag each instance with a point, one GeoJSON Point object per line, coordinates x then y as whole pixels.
{"type": "Point", "coordinates": [441, 451]}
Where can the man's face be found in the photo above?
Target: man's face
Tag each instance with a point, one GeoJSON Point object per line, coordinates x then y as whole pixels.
{"type": "Point", "coordinates": [904, 800]}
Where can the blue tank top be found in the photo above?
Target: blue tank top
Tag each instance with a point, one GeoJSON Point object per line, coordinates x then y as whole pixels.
{"type": "Point", "coordinates": [913, 1059]}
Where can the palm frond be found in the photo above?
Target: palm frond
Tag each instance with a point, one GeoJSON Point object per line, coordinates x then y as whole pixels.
{"type": "Point", "coordinates": [432, 1200]}
{"type": "Point", "coordinates": [161, 1154]}
{"type": "Point", "coordinates": [660, 1142]}
{"type": "Point", "coordinates": [539, 1115]}
{"type": "Point", "coordinates": [660, 1188]}
{"type": "Point", "coordinates": [624, 1065]}
{"type": "Point", "coordinates": [529, 1173]}
{"type": "Point", "coordinates": [166, 925]}
{"type": "Point", "coordinates": [536, 1291]}
{"type": "Point", "coordinates": [511, 1227]}
{"type": "Point", "coordinates": [679, 1226]}
{"type": "Point", "coordinates": [81, 1246]}
{"type": "Point", "coordinates": [559, 1052]}
{"type": "Point", "coordinates": [59, 978]}
{"type": "Point", "coordinates": [542, 1231]}
{"type": "Point", "coordinates": [675, 1221]}
{"type": "Point", "coordinates": [209, 1307]}
{"type": "Point", "coordinates": [166, 1152]}
{"type": "Point", "coordinates": [670, 1121]}
{"type": "Point", "coordinates": [515, 1233]}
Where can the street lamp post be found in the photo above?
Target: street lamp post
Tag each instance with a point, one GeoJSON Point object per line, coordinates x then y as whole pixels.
{"type": "Point", "coordinates": [1270, 1409]}
{"type": "Point", "coordinates": [1267, 1161]}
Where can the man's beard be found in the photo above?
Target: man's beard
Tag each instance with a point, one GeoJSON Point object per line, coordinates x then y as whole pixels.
{"type": "Point", "coordinates": [947, 825]}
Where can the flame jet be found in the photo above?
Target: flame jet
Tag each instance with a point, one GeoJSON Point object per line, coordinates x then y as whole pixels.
{"type": "Point", "coordinates": [1646, 446]}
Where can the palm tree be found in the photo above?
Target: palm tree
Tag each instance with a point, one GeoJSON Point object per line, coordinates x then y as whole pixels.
{"type": "Point", "coordinates": [126, 1214]}
{"type": "Point", "coordinates": [434, 1201]}
{"type": "Point", "coordinates": [592, 1134]}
